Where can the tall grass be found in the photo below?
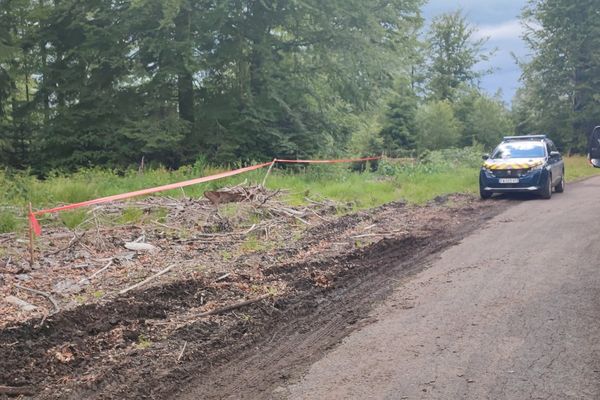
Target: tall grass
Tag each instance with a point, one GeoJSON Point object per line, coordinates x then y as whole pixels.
{"type": "Point", "coordinates": [578, 167]}
{"type": "Point", "coordinates": [435, 174]}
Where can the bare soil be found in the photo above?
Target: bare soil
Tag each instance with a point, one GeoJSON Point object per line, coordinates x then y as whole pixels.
{"type": "Point", "coordinates": [322, 272]}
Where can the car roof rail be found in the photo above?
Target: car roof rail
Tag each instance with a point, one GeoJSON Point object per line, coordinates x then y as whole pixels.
{"type": "Point", "coordinates": [526, 137]}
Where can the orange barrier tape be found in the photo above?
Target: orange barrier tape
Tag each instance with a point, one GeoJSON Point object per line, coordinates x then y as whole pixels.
{"type": "Point", "coordinates": [36, 226]}
{"type": "Point", "coordinates": [37, 229]}
{"type": "Point", "coordinates": [327, 161]}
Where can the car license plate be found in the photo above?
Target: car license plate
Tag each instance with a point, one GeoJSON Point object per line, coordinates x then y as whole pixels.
{"type": "Point", "coordinates": [509, 180]}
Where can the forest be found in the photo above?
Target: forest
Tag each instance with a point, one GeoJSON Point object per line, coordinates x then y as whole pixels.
{"type": "Point", "coordinates": [99, 83]}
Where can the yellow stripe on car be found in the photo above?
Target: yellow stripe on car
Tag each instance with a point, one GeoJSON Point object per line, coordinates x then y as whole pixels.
{"type": "Point", "coordinates": [494, 166]}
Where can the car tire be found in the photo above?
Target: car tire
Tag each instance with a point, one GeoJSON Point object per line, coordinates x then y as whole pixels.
{"type": "Point", "coordinates": [546, 192]}
{"type": "Point", "coordinates": [484, 195]}
{"type": "Point", "coordinates": [561, 186]}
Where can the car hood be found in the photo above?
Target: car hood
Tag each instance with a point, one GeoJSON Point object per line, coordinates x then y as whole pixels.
{"type": "Point", "coordinates": [513, 163]}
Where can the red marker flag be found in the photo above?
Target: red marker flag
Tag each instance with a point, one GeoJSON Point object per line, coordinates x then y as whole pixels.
{"type": "Point", "coordinates": [34, 224]}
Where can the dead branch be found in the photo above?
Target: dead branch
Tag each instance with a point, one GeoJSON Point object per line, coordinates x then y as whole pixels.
{"type": "Point", "coordinates": [47, 296]}
{"type": "Point", "coordinates": [182, 350]}
{"type": "Point", "coordinates": [98, 272]}
{"type": "Point", "coordinates": [389, 233]}
{"type": "Point", "coordinates": [291, 213]}
{"type": "Point", "coordinates": [250, 230]}
{"type": "Point", "coordinates": [233, 306]}
{"type": "Point", "coordinates": [17, 390]}
{"type": "Point", "coordinates": [219, 279]}
{"type": "Point", "coordinates": [142, 283]}
{"type": "Point", "coordinates": [73, 242]}
{"type": "Point", "coordinates": [371, 235]}
{"type": "Point", "coordinates": [269, 197]}
{"type": "Point", "coordinates": [318, 216]}
{"type": "Point", "coordinates": [166, 226]}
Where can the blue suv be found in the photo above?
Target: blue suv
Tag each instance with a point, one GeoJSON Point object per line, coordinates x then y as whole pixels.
{"type": "Point", "coordinates": [523, 164]}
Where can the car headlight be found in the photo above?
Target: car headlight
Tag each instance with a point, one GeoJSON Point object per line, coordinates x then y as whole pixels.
{"type": "Point", "coordinates": [537, 168]}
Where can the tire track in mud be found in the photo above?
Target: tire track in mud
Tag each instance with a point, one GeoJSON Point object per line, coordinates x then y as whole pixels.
{"type": "Point", "coordinates": [227, 356]}
{"type": "Point", "coordinates": [308, 332]}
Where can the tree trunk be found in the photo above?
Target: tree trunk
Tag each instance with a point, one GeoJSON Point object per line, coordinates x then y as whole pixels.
{"type": "Point", "coordinates": [185, 83]}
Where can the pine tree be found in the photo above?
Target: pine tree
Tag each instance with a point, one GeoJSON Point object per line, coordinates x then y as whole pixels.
{"type": "Point", "coordinates": [400, 127]}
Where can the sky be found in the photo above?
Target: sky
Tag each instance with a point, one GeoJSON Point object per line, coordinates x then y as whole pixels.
{"type": "Point", "coordinates": [498, 20]}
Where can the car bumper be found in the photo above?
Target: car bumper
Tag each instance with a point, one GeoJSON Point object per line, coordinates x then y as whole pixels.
{"type": "Point", "coordinates": [511, 189]}
{"type": "Point", "coordinates": [532, 182]}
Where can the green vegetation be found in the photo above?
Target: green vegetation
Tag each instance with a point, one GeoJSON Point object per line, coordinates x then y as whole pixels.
{"type": "Point", "coordinates": [111, 83]}
{"type": "Point", "coordinates": [8, 222]}
{"type": "Point", "coordinates": [101, 98]}
{"type": "Point", "coordinates": [73, 219]}
{"type": "Point", "coordinates": [562, 78]}
{"type": "Point", "coordinates": [131, 215]}
{"type": "Point", "coordinates": [435, 173]}
{"type": "Point", "coordinates": [578, 167]}
{"type": "Point", "coordinates": [143, 342]}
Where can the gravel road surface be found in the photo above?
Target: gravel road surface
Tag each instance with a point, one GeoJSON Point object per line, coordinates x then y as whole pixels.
{"type": "Point", "coordinates": [512, 312]}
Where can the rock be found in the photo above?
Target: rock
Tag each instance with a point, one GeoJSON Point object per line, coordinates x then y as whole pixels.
{"type": "Point", "coordinates": [22, 304]}
{"type": "Point", "coordinates": [441, 199]}
{"type": "Point", "coordinates": [279, 390]}
{"type": "Point", "coordinates": [67, 286]}
{"type": "Point", "coordinates": [142, 247]}
{"type": "Point", "coordinates": [23, 277]}
{"type": "Point", "coordinates": [127, 256]}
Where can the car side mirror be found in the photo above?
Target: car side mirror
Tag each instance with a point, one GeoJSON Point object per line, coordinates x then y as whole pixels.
{"type": "Point", "coordinates": [485, 157]}
{"type": "Point", "coordinates": [554, 154]}
{"type": "Point", "coordinates": [595, 162]}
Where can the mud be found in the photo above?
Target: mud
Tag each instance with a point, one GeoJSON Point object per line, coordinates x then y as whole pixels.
{"type": "Point", "coordinates": [152, 344]}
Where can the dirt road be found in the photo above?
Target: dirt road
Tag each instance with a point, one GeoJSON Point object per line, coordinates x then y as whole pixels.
{"type": "Point", "coordinates": [513, 312]}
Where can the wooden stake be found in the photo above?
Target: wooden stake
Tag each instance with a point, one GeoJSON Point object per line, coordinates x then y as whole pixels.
{"type": "Point", "coordinates": [268, 172]}
{"type": "Point", "coordinates": [31, 252]}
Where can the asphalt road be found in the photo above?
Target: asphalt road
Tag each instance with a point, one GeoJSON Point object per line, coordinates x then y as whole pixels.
{"type": "Point", "coordinates": [512, 312]}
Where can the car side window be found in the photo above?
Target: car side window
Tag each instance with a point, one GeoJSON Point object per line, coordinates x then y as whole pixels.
{"type": "Point", "coordinates": [548, 147]}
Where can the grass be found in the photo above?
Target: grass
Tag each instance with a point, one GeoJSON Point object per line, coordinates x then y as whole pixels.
{"type": "Point", "coordinates": [143, 342]}
{"type": "Point", "coordinates": [577, 168]}
{"type": "Point", "coordinates": [439, 173]}
{"type": "Point", "coordinates": [72, 219]}
{"type": "Point", "coordinates": [131, 215]}
{"type": "Point", "coordinates": [8, 222]}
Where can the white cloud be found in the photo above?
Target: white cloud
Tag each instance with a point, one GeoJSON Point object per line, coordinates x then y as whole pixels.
{"type": "Point", "coordinates": [508, 30]}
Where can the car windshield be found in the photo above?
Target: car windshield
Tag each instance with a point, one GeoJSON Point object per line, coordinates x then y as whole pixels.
{"type": "Point", "coordinates": [519, 150]}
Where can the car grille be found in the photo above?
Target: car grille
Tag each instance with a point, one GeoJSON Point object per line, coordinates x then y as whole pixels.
{"type": "Point", "coordinates": [510, 173]}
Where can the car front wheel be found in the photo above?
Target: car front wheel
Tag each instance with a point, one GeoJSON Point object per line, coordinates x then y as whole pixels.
{"type": "Point", "coordinates": [546, 191]}
{"type": "Point", "coordinates": [561, 186]}
{"type": "Point", "coordinates": [483, 194]}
